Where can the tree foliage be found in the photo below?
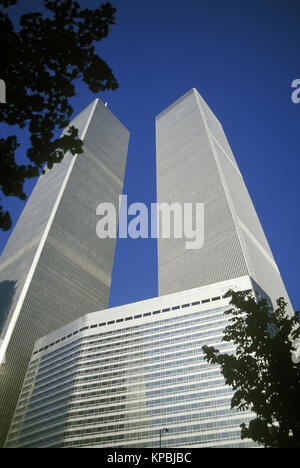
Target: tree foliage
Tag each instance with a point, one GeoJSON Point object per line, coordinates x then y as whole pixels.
{"type": "Point", "coordinates": [43, 58]}
{"type": "Point", "coordinates": [263, 371]}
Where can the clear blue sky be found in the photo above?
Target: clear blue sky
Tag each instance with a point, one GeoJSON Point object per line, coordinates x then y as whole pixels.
{"type": "Point", "coordinates": [242, 57]}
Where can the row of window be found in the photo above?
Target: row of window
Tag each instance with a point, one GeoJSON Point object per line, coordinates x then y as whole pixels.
{"type": "Point", "coordinates": [96, 416]}
{"type": "Point", "coordinates": [121, 370]}
{"type": "Point", "coordinates": [74, 429]}
{"type": "Point", "coordinates": [124, 378]}
{"type": "Point", "coordinates": [212, 318]}
{"type": "Point", "coordinates": [133, 387]}
{"type": "Point", "coordinates": [192, 351]}
{"type": "Point", "coordinates": [215, 440]}
{"type": "Point", "coordinates": [94, 353]}
{"type": "Point", "coordinates": [117, 389]}
{"type": "Point", "coordinates": [141, 357]}
{"type": "Point", "coordinates": [162, 366]}
{"type": "Point", "coordinates": [115, 438]}
{"type": "Point", "coordinates": [116, 413]}
{"type": "Point", "coordinates": [125, 319]}
{"type": "Point", "coordinates": [140, 392]}
{"type": "Point", "coordinates": [141, 343]}
{"type": "Point", "coordinates": [102, 404]}
{"type": "Point", "coordinates": [116, 335]}
{"type": "Point", "coordinates": [129, 332]}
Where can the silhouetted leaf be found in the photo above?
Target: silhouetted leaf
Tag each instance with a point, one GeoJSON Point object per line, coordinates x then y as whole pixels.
{"type": "Point", "coordinates": [262, 372]}
{"type": "Point", "coordinates": [43, 58]}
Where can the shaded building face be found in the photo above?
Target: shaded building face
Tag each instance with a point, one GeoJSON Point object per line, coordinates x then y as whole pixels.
{"type": "Point", "coordinates": [54, 267]}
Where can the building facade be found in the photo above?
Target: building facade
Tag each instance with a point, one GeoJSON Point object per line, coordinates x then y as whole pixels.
{"type": "Point", "coordinates": [117, 377]}
{"type": "Point", "coordinates": [195, 164]}
{"type": "Point", "coordinates": [114, 378]}
{"type": "Point", "coordinates": [54, 268]}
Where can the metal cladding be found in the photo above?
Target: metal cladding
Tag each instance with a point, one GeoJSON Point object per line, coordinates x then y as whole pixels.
{"type": "Point", "coordinates": [195, 164]}
{"type": "Point", "coordinates": [54, 268]}
{"type": "Point", "coordinates": [116, 377]}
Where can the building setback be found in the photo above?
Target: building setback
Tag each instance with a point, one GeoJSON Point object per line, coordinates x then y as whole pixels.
{"type": "Point", "coordinates": [194, 163]}
{"type": "Point", "coordinates": [54, 268]}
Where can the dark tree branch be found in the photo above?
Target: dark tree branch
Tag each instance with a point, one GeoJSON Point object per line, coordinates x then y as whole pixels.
{"type": "Point", "coordinates": [42, 61]}
{"type": "Point", "coordinates": [262, 373]}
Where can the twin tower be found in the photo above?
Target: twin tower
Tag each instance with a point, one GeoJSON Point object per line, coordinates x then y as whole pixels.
{"type": "Point", "coordinates": [55, 269]}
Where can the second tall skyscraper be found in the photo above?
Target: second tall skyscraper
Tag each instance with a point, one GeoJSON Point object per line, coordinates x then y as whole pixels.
{"type": "Point", "coordinates": [195, 164]}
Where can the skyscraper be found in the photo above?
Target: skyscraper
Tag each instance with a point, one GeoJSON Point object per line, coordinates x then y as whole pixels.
{"type": "Point", "coordinates": [54, 267]}
{"type": "Point", "coordinates": [118, 376]}
{"type": "Point", "coordinates": [195, 164]}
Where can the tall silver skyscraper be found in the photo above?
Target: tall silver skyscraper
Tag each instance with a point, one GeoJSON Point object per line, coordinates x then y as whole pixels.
{"type": "Point", "coordinates": [54, 268]}
{"type": "Point", "coordinates": [195, 164]}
